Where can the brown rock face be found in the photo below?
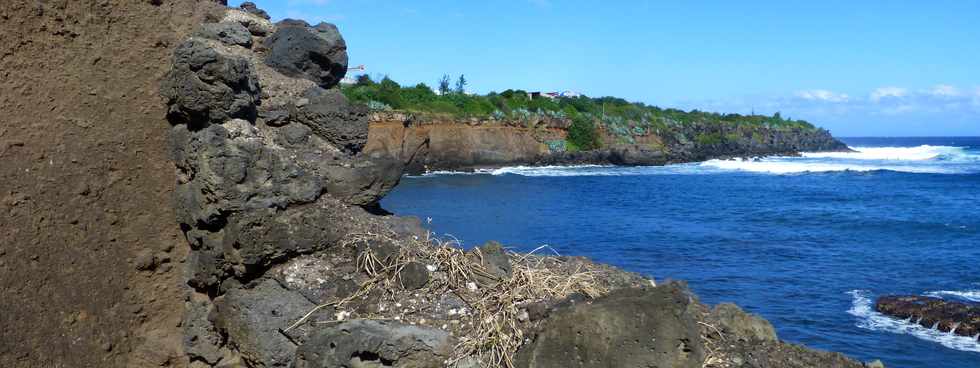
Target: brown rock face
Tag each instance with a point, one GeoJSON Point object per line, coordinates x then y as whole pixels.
{"type": "Point", "coordinates": [931, 312]}
{"type": "Point", "coordinates": [453, 146]}
{"type": "Point", "coordinates": [89, 251]}
{"type": "Point", "coordinates": [627, 328]}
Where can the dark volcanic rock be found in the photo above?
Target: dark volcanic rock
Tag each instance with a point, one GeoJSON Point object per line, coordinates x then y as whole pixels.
{"type": "Point", "coordinates": [762, 354]}
{"type": "Point", "coordinates": [316, 53]}
{"type": "Point", "coordinates": [365, 343]}
{"type": "Point", "coordinates": [246, 203]}
{"type": "Point", "coordinates": [228, 33]}
{"type": "Point", "coordinates": [634, 156]}
{"type": "Point", "coordinates": [333, 118]}
{"type": "Point", "coordinates": [493, 257]}
{"type": "Point", "coordinates": [413, 276]}
{"type": "Point", "coordinates": [627, 328]}
{"type": "Point", "coordinates": [207, 85]}
{"type": "Point", "coordinates": [929, 312]}
{"type": "Point", "coordinates": [201, 339]}
{"type": "Point", "coordinates": [249, 7]}
{"type": "Point", "coordinates": [732, 320]}
{"type": "Point", "coordinates": [253, 319]}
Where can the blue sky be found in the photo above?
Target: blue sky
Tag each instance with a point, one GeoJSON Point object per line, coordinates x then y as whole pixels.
{"type": "Point", "coordinates": [858, 68]}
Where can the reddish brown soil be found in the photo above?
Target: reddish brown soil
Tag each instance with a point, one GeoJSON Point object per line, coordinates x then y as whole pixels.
{"type": "Point", "coordinates": [85, 183]}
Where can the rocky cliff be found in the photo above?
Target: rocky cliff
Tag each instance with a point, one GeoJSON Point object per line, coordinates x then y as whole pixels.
{"type": "Point", "coordinates": [187, 187]}
{"type": "Point", "coordinates": [431, 142]}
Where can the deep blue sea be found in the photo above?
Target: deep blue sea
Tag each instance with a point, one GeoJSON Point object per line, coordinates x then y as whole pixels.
{"type": "Point", "coordinates": [807, 242]}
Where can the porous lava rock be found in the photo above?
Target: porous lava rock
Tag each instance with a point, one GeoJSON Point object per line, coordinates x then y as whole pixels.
{"type": "Point", "coordinates": [332, 117]}
{"type": "Point", "coordinates": [228, 33]}
{"type": "Point", "coordinates": [367, 343]}
{"type": "Point", "coordinates": [317, 53]}
{"type": "Point", "coordinates": [634, 327]}
{"type": "Point", "coordinates": [731, 319]}
{"type": "Point", "coordinates": [209, 85]}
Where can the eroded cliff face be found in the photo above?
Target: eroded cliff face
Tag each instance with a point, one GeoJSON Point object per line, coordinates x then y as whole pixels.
{"type": "Point", "coordinates": [432, 143]}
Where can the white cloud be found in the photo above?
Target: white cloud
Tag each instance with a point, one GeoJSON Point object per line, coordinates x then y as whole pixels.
{"type": "Point", "coordinates": [945, 90]}
{"type": "Point", "coordinates": [888, 92]}
{"type": "Point", "coordinates": [822, 95]}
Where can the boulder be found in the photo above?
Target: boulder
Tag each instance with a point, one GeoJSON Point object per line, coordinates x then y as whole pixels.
{"type": "Point", "coordinates": [249, 7]}
{"type": "Point", "coordinates": [368, 343]}
{"type": "Point", "coordinates": [253, 319]}
{"type": "Point", "coordinates": [732, 320]}
{"type": "Point", "coordinates": [413, 276]}
{"type": "Point", "coordinates": [362, 180]}
{"type": "Point", "coordinates": [383, 249]}
{"type": "Point", "coordinates": [256, 24]}
{"type": "Point", "coordinates": [333, 118]}
{"type": "Point", "coordinates": [316, 53]}
{"type": "Point", "coordinates": [228, 33]}
{"type": "Point", "coordinates": [493, 258]}
{"type": "Point", "coordinates": [653, 327]}
{"type": "Point", "coordinates": [206, 85]}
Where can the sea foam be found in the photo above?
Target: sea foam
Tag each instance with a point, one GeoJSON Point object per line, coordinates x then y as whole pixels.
{"type": "Point", "coordinates": [967, 295]}
{"type": "Point", "coordinates": [796, 165]}
{"type": "Point", "coordinates": [923, 159]}
{"type": "Point", "coordinates": [918, 153]}
{"type": "Point", "coordinates": [871, 320]}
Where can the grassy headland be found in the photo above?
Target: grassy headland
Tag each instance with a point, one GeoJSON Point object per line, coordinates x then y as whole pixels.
{"type": "Point", "coordinates": [615, 115]}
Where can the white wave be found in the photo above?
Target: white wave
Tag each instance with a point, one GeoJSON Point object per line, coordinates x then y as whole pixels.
{"type": "Point", "coordinates": [919, 153]}
{"type": "Point", "coordinates": [571, 170]}
{"type": "Point", "coordinates": [969, 295]}
{"type": "Point", "coordinates": [922, 159]}
{"type": "Point", "coordinates": [871, 320]}
{"type": "Point", "coordinates": [796, 165]}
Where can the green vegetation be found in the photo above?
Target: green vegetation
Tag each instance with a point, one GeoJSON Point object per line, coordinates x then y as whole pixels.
{"type": "Point", "coordinates": [582, 135]}
{"type": "Point", "coordinates": [623, 119]}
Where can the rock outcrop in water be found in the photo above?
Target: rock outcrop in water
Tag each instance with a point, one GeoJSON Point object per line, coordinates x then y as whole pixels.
{"type": "Point", "coordinates": [276, 254]}
{"type": "Point", "coordinates": [960, 318]}
{"type": "Point", "coordinates": [430, 143]}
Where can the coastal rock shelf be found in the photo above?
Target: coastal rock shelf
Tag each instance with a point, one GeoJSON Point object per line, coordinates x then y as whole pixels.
{"type": "Point", "coordinates": [960, 318]}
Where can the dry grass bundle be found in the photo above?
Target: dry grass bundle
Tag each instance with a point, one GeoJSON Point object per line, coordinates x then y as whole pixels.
{"type": "Point", "coordinates": [497, 324]}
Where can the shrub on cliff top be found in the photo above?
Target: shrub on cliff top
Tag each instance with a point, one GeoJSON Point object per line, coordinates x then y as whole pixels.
{"type": "Point", "coordinates": [582, 135]}
{"type": "Point", "coordinates": [618, 116]}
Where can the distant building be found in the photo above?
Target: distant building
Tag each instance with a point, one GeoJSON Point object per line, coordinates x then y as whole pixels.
{"type": "Point", "coordinates": [553, 95]}
{"type": "Point", "coordinates": [350, 81]}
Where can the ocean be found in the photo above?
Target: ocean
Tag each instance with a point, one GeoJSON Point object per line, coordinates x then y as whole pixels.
{"type": "Point", "coordinates": [807, 242]}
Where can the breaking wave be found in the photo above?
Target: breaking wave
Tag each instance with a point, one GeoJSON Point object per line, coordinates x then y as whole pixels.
{"type": "Point", "coordinates": [792, 165]}
{"type": "Point", "coordinates": [871, 320]}
{"type": "Point", "coordinates": [918, 153]}
{"type": "Point", "coordinates": [967, 295]}
{"type": "Point", "coordinates": [922, 159]}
